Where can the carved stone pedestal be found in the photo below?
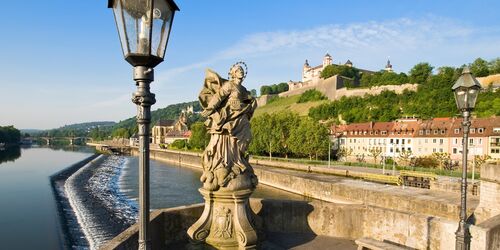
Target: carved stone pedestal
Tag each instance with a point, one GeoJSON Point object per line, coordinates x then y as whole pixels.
{"type": "Point", "coordinates": [226, 221]}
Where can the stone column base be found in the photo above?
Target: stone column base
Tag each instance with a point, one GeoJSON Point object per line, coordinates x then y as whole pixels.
{"type": "Point", "coordinates": [226, 221]}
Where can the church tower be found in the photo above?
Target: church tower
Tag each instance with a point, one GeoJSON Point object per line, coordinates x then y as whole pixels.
{"type": "Point", "coordinates": [327, 60]}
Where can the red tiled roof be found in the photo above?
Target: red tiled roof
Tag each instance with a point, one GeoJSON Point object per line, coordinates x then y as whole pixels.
{"type": "Point", "coordinates": [436, 127]}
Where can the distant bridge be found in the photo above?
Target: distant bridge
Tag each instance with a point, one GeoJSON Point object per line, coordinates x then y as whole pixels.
{"type": "Point", "coordinates": [71, 139]}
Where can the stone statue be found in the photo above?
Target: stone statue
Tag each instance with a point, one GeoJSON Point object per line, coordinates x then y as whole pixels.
{"type": "Point", "coordinates": [228, 178]}
{"type": "Point", "coordinates": [228, 107]}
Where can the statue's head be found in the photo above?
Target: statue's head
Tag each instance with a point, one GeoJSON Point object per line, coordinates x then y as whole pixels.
{"type": "Point", "coordinates": [237, 72]}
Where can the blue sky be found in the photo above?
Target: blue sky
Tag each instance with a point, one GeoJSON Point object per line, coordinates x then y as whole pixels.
{"type": "Point", "coordinates": [61, 61]}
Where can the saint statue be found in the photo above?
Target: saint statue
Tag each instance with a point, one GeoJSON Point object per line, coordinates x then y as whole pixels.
{"type": "Point", "coordinates": [228, 179]}
{"type": "Point", "coordinates": [228, 107]}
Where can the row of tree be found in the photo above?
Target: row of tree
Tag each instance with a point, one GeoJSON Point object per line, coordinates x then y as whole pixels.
{"type": "Point", "coordinates": [481, 67]}
{"type": "Point", "coordinates": [9, 135]}
{"type": "Point", "coordinates": [419, 74]}
{"type": "Point", "coordinates": [286, 134]}
{"type": "Point", "coordinates": [438, 160]}
{"type": "Point", "coordinates": [383, 78]}
{"type": "Point", "coordinates": [273, 89]}
{"type": "Point", "coordinates": [342, 70]}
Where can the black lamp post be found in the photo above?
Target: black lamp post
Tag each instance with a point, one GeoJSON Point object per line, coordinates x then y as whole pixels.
{"type": "Point", "coordinates": [466, 90]}
{"type": "Point", "coordinates": [144, 27]}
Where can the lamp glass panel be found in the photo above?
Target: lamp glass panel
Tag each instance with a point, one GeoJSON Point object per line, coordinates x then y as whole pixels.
{"type": "Point", "coordinates": [120, 25]}
{"type": "Point", "coordinates": [460, 98]}
{"type": "Point", "coordinates": [472, 97]}
{"type": "Point", "coordinates": [133, 19]}
{"type": "Point", "coordinates": [162, 20]}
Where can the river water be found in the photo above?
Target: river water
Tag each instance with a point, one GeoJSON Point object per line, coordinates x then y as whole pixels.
{"type": "Point", "coordinates": [28, 213]}
{"type": "Point", "coordinates": [173, 186]}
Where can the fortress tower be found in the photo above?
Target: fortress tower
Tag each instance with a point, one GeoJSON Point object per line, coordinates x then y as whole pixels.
{"type": "Point", "coordinates": [388, 66]}
{"type": "Point", "coordinates": [327, 60]}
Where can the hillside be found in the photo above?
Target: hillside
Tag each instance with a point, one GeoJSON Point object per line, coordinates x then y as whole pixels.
{"type": "Point", "coordinates": [170, 112]}
{"type": "Point", "coordinates": [288, 104]}
{"type": "Point", "coordinates": [88, 125]}
{"type": "Point", "coordinates": [433, 98]}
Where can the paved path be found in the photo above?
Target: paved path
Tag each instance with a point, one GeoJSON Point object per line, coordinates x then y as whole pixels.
{"type": "Point", "coordinates": [426, 194]}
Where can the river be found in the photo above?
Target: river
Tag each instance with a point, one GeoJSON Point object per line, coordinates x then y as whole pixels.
{"type": "Point", "coordinates": [28, 213]}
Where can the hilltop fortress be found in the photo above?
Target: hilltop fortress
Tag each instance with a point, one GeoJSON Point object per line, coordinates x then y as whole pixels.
{"type": "Point", "coordinates": [333, 87]}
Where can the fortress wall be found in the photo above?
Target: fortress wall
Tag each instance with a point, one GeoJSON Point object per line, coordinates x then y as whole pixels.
{"type": "Point", "coordinates": [296, 91]}
{"type": "Point", "coordinates": [375, 90]}
{"type": "Point", "coordinates": [487, 80]}
{"type": "Point", "coordinates": [263, 99]}
{"type": "Point", "coordinates": [333, 89]}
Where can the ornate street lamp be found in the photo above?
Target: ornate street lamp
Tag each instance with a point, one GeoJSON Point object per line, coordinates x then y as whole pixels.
{"type": "Point", "coordinates": [144, 28]}
{"type": "Point", "coordinates": [466, 90]}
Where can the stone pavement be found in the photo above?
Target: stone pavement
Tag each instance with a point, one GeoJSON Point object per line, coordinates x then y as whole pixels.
{"type": "Point", "coordinates": [302, 241]}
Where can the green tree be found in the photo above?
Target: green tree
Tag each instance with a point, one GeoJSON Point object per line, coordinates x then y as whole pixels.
{"type": "Point", "coordinates": [273, 89]}
{"type": "Point", "coordinates": [265, 135]}
{"type": "Point", "coordinates": [479, 68]}
{"type": "Point", "coordinates": [441, 158]}
{"type": "Point", "coordinates": [310, 139]}
{"type": "Point", "coordinates": [9, 135]}
{"type": "Point", "coordinates": [199, 136]}
{"type": "Point", "coordinates": [405, 157]}
{"type": "Point", "coordinates": [179, 144]}
{"type": "Point", "coordinates": [311, 95]}
{"type": "Point", "coordinates": [286, 122]}
{"type": "Point", "coordinates": [488, 103]}
{"type": "Point", "coordinates": [494, 66]}
{"type": "Point", "coordinates": [282, 87]}
{"type": "Point", "coordinates": [420, 73]}
{"type": "Point", "coordinates": [121, 133]}
{"type": "Point", "coordinates": [344, 153]}
{"type": "Point", "coordinates": [343, 70]}
{"type": "Point", "coordinates": [479, 160]}
{"type": "Point", "coordinates": [375, 152]}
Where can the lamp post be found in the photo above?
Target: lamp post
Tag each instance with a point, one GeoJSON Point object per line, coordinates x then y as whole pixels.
{"type": "Point", "coordinates": [465, 90]}
{"type": "Point", "coordinates": [144, 28]}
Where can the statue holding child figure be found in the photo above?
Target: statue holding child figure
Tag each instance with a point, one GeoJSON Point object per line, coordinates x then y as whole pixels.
{"type": "Point", "coordinates": [228, 107]}
{"type": "Point", "coordinates": [228, 178]}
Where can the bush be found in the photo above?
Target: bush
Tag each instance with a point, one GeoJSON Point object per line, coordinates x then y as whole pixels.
{"type": "Point", "coordinates": [179, 144]}
{"type": "Point", "coordinates": [424, 162]}
{"type": "Point", "coordinates": [311, 95]}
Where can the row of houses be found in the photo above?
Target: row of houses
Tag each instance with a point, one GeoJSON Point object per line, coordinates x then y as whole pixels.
{"type": "Point", "coordinates": [420, 137]}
